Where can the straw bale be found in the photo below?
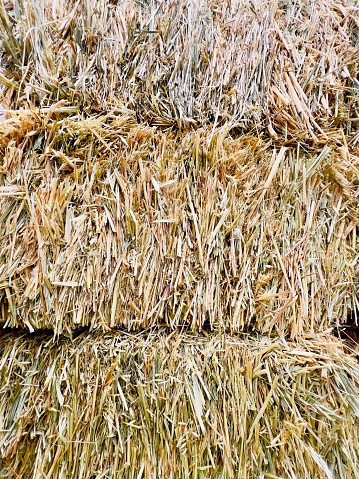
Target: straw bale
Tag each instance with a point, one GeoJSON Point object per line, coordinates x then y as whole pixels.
{"type": "Point", "coordinates": [289, 66]}
{"type": "Point", "coordinates": [159, 406]}
{"type": "Point", "coordinates": [188, 163]}
{"type": "Point", "coordinates": [108, 223]}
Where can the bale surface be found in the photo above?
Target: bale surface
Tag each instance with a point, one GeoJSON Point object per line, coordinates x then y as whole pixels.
{"type": "Point", "coordinates": [182, 163]}
{"type": "Point", "coordinates": [290, 66]}
{"type": "Point", "coordinates": [188, 164]}
{"type": "Point", "coordinates": [109, 223]}
{"type": "Point", "coordinates": [156, 406]}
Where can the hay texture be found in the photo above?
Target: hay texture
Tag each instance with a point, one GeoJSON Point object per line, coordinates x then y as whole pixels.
{"type": "Point", "coordinates": [109, 223]}
{"type": "Point", "coordinates": [155, 406]}
{"type": "Point", "coordinates": [184, 163]}
{"type": "Point", "coordinates": [289, 66]}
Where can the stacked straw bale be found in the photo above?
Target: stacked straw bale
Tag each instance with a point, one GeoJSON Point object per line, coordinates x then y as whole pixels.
{"type": "Point", "coordinates": [189, 168]}
{"type": "Point", "coordinates": [289, 66]}
{"type": "Point", "coordinates": [154, 406]}
{"type": "Point", "coordinates": [110, 223]}
{"type": "Point", "coordinates": [127, 200]}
